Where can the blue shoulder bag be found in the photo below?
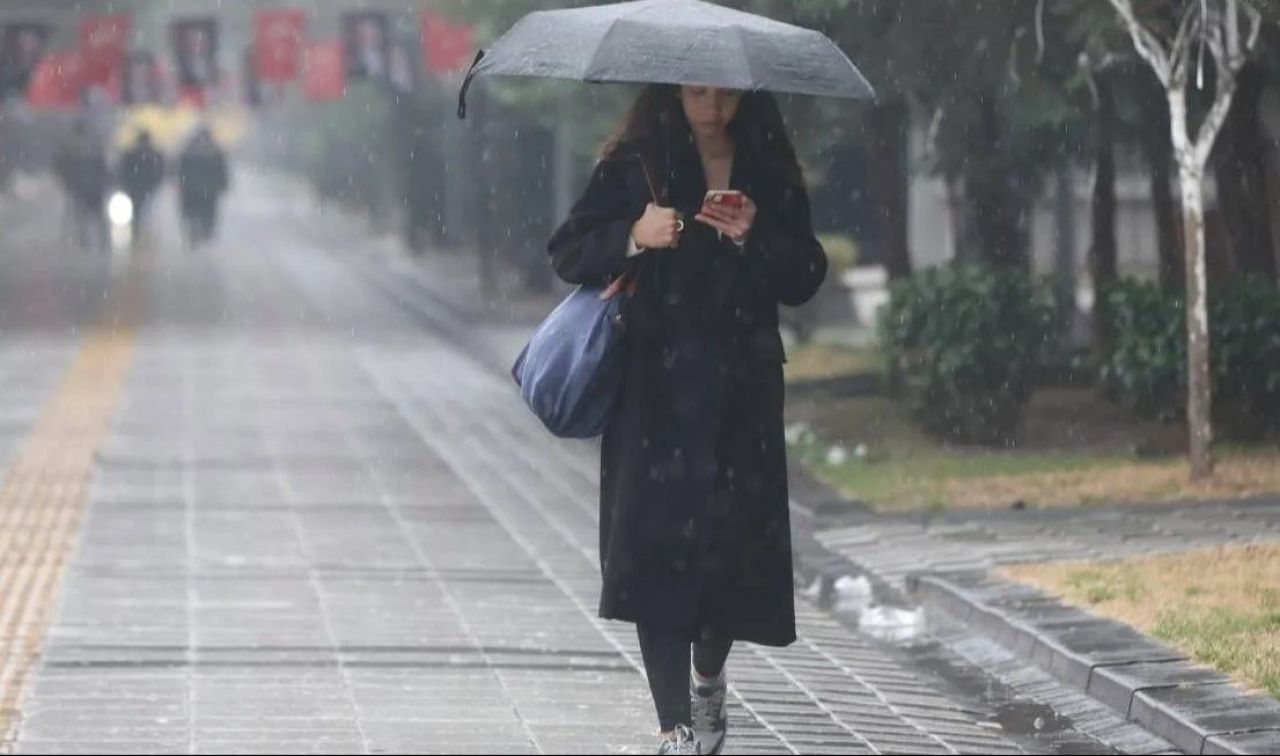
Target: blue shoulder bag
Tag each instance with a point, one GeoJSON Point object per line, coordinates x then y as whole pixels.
{"type": "Point", "coordinates": [570, 371]}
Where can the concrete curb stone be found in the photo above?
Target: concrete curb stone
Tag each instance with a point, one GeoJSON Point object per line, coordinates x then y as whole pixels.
{"type": "Point", "coordinates": [1196, 709]}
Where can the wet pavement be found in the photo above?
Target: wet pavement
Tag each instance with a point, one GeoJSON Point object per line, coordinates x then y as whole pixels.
{"type": "Point", "coordinates": [317, 522]}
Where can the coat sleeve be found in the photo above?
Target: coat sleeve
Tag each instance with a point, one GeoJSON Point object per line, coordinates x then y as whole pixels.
{"type": "Point", "coordinates": [782, 252]}
{"type": "Point", "coordinates": [591, 246]}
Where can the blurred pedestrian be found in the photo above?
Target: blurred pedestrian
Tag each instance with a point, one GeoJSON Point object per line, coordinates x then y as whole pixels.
{"type": "Point", "coordinates": [81, 167]}
{"type": "Point", "coordinates": [695, 540]}
{"type": "Point", "coordinates": [202, 179]}
{"type": "Point", "coordinates": [366, 41]}
{"type": "Point", "coordinates": [140, 173]}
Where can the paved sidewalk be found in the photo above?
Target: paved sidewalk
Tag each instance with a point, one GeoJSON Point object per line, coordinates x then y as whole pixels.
{"type": "Point", "coordinates": [262, 575]}
{"type": "Point", "coordinates": [317, 528]}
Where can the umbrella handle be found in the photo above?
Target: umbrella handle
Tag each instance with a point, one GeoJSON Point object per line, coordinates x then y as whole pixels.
{"type": "Point", "coordinates": [466, 83]}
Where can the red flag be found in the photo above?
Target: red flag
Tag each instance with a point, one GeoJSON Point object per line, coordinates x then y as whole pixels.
{"type": "Point", "coordinates": [277, 43]}
{"type": "Point", "coordinates": [325, 76]}
{"type": "Point", "coordinates": [193, 96]}
{"type": "Point", "coordinates": [57, 80]}
{"type": "Point", "coordinates": [445, 46]}
{"type": "Point", "coordinates": [103, 40]}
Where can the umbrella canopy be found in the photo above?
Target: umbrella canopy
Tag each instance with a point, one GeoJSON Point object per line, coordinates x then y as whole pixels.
{"type": "Point", "coordinates": [671, 42]}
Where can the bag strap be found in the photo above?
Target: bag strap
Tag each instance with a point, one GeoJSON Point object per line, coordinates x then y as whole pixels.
{"type": "Point", "coordinates": [627, 282]}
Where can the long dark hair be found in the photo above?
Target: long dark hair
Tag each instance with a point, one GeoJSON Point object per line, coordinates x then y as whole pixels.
{"type": "Point", "coordinates": [656, 121]}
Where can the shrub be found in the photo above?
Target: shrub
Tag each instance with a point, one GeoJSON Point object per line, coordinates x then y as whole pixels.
{"type": "Point", "coordinates": [1146, 369]}
{"type": "Point", "coordinates": [967, 341]}
{"type": "Point", "coordinates": [1244, 333]}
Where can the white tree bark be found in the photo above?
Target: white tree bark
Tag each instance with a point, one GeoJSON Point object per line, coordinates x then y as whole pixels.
{"type": "Point", "coordinates": [1216, 25]}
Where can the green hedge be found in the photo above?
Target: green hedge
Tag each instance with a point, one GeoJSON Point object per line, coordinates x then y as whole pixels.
{"type": "Point", "coordinates": [1146, 369]}
{"type": "Point", "coordinates": [966, 342]}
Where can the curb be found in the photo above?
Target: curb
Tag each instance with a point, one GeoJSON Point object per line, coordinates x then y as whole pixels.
{"type": "Point", "coordinates": [1196, 709]}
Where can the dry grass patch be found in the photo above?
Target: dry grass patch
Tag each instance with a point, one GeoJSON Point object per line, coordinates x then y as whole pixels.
{"type": "Point", "coordinates": [1238, 474]}
{"type": "Point", "coordinates": [1075, 449]}
{"type": "Point", "coordinates": [808, 362]}
{"type": "Point", "coordinates": [1221, 606]}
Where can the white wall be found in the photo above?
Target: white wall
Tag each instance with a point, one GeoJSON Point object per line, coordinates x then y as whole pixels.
{"type": "Point", "coordinates": [932, 232]}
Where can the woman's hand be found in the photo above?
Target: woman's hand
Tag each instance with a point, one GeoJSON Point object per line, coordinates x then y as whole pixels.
{"type": "Point", "coordinates": [659, 227]}
{"type": "Point", "coordinates": [735, 223]}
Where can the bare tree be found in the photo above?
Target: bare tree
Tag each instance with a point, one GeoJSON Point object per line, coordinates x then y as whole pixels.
{"type": "Point", "coordinates": [1174, 45]}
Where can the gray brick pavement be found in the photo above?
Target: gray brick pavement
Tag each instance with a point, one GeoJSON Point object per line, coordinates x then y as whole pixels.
{"type": "Point", "coordinates": [317, 529]}
{"type": "Point", "coordinates": [434, 586]}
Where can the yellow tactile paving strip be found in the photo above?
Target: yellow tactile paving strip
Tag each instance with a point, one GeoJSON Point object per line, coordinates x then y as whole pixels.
{"type": "Point", "coordinates": [44, 492]}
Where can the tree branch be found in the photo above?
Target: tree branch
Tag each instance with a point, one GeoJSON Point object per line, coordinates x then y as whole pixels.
{"type": "Point", "coordinates": [1189, 23]}
{"type": "Point", "coordinates": [1223, 38]}
{"type": "Point", "coordinates": [1224, 92]}
{"type": "Point", "coordinates": [1039, 31]}
{"type": "Point", "coordinates": [1146, 43]}
{"type": "Point", "coordinates": [1255, 27]}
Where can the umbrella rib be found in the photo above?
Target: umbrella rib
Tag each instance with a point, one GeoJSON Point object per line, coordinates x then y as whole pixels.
{"type": "Point", "coordinates": [746, 58]}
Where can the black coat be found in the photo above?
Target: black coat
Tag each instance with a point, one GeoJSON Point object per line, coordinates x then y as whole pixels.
{"type": "Point", "coordinates": [202, 177]}
{"type": "Point", "coordinates": [694, 521]}
{"type": "Point", "coordinates": [141, 171]}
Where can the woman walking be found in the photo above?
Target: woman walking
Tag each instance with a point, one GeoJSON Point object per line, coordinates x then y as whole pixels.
{"type": "Point", "coordinates": [695, 542]}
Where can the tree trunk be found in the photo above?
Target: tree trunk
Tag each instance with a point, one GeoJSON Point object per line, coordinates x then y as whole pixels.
{"type": "Point", "coordinates": [1157, 151]}
{"type": "Point", "coordinates": [1102, 249]}
{"type": "Point", "coordinates": [996, 208]}
{"type": "Point", "coordinates": [562, 170]}
{"type": "Point", "coordinates": [1242, 182]}
{"type": "Point", "coordinates": [1190, 181]}
{"type": "Point", "coordinates": [888, 181]}
{"type": "Point", "coordinates": [1064, 272]}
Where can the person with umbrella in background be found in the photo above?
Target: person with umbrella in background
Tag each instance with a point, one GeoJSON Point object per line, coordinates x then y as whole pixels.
{"type": "Point", "coordinates": [140, 173]}
{"type": "Point", "coordinates": [699, 201]}
{"type": "Point", "coordinates": [202, 179]}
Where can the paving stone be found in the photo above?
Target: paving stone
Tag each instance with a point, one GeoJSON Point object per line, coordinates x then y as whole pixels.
{"type": "Point", "coordinates": [1115, 685]}
{"type": "Point", "coordinates": [1186, 717]}
{"type": "Point", "coordinates": [1260, 742]}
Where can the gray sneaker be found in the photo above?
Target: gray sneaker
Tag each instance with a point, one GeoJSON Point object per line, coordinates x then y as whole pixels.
{"type": "Point", "coordinates": [710, 719]}
{"type": "Point", "coordinates": [681, 742]}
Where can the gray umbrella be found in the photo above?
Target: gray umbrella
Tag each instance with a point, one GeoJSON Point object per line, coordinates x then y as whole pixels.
{"type": "Point", "coordinates": [671, 42]}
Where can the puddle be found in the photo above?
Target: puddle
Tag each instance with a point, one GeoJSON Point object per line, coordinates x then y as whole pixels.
{"type": "Point", "coordinates": [860, 603]}
{"type": "Point", "coordinates": [1029, 718]}
{"type": "Point", "coordinates": [855, 601]}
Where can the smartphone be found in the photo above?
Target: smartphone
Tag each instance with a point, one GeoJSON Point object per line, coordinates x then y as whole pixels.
{"type": "Point", "coordinates": [724, 198]}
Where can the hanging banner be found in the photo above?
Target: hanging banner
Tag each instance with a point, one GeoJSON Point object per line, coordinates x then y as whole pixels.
{"type": "Point", "coordinates": [324, 75]}
{"type": "Point", "coordinates": [140, 81]}
{"type": "Point", "coordinates": [103, 40]}
{"type": "Point", "coordinates": [277, 44]}
{"type": "Point", "coordinates": [446, 47]}
{"type": "Point", "coordinates": [57, 81]}
{"type": "Point", "coordinates": [195, 52]}
{"type": "Point", "coordinates": [366, 41]}
{"type": "Point", "coordinates": [22, 45]}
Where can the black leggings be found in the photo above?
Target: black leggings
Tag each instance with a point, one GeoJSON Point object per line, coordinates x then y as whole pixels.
{"type": "Point", "coordinates": [666, 662]}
